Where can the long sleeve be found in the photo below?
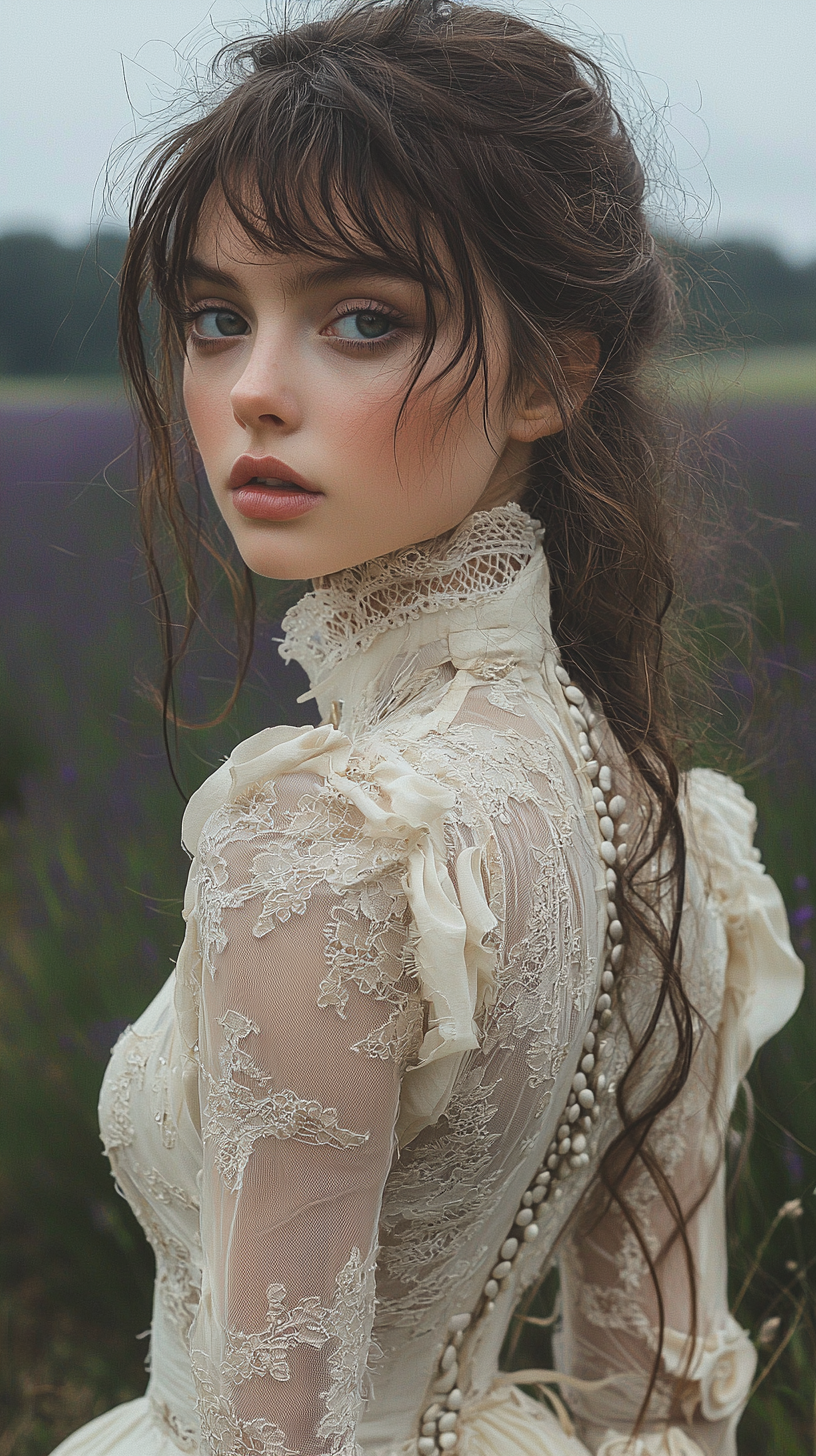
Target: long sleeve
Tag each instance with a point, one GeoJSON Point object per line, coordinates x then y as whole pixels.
{"type": "Point", "coordinates": [305, 1018]}
{"type": "Point", "coordinates": [329, 950]}
{"type": "Point", "coordinates": [610, 1307]}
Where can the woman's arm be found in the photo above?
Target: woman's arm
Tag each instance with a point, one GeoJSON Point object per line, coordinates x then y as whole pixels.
{"type": "Point", "coordinates": [305, 1022]}
{"type": "Point", "coordinates": [745, 980]}
{"type": "Point", "coordinates": [611, 1314]}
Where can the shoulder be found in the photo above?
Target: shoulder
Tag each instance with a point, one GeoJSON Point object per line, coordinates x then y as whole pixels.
{"type": "Point", "coordinates": [492, 742]}
{"type": "Point", "coordinates": [764, 977]}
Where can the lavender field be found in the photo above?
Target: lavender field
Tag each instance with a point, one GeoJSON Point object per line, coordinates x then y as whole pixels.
{"type": "Point", "coordinates": [91, 878]}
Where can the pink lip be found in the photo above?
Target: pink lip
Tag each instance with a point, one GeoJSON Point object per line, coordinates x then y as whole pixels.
{"type": "Point", "coordinates": [288, 497]}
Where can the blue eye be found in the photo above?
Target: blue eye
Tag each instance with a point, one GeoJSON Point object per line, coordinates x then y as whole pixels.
{"type": "Point", "coordinates": [363, 325]}
{"type": "Point", "coordinates": [220, 323]}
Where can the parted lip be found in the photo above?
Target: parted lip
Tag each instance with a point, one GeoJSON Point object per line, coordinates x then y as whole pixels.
{"type": "Point", "coordinates": [266, 467]}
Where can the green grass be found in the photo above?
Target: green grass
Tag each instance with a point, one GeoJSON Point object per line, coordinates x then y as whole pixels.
{"type": "Point", "coordinates": [46, 389]}
{"type": "Point", "coordinates": [764, 374]}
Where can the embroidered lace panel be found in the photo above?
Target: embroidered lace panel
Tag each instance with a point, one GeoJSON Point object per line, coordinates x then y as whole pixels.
{"type": "Point", "coordinates": [352, 1317]}
{"type": "Point", "coordinates": [235, 1116]}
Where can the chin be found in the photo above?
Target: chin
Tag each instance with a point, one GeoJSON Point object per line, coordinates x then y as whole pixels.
{"type": "Point", "coordinates": [291, 561]}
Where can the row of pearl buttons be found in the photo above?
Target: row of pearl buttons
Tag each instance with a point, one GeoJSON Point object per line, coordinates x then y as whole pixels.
{"type": "Point", "coordinates": [568, 1149]}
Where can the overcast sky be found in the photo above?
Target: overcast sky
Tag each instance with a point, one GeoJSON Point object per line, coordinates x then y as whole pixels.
{"type": "Point", "coordinates": [729, 84]}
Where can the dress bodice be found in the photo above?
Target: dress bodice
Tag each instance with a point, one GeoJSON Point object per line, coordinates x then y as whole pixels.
{"type": "Point", "coordinates": [328, 1119]}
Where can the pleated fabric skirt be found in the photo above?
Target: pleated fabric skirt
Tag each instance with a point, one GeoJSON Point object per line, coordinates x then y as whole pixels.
{"type": "Point", "coordinates": [505, 1423]}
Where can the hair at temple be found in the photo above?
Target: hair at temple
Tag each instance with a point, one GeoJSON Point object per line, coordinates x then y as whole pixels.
{"type": "Point", "coordinates": [456, 149]}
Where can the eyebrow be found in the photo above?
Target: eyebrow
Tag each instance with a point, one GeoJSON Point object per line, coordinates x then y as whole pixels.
{"type": "Point", "coordinates": [197, 271]}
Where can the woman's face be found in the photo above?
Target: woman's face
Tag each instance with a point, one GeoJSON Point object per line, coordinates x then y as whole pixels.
{"type": "Point", "coordinates": [293, 382]}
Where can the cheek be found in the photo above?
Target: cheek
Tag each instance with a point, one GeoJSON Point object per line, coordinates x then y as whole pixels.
{"type": "Point", "coordinates": [360, 418]}
{"type": "Point", "coordinates": [207, 406]}
{"type": "Point", "coordinates": [441, 444]}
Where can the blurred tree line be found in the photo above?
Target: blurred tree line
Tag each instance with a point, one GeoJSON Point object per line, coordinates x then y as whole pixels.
{"type": "Point", "coordinates": [58, 302]}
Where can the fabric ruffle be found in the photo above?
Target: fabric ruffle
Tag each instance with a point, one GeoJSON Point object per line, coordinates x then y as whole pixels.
{"type": "Point", "coordinates": [764, 977]}
{"type": "Point", "coordinates": [454, 968]}
{"type": "Point", "coordinates": [508, 1422]}
{"type": "Point", "coordinates": [673, 1442]}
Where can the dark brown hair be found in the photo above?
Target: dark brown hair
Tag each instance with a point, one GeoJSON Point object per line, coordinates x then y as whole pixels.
{"type": "Point", "coordinates": [462, 144]}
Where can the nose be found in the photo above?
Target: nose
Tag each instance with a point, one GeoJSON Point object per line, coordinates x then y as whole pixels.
{"type": "Point", "coordinates": [266, 396]}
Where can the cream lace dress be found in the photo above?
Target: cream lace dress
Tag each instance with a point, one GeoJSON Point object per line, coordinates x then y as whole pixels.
{"type": "Point", "coordinates": [366, 1112]}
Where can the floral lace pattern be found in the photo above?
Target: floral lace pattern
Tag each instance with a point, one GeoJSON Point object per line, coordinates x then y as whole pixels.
{"type": "Point", "coordinates": [119, 1132]}
{"type": "Point", "coordinates": [178, 1278]}
{"type": "Point", "coordinates": [222, 1433]}
{"type": "Point", "coordinates": [352, 1318]}
{"type": "Point", "coordinates": [266, 1352]}
{"type": "Point", "coordinates": [171, 1194]}
{"type": "Point", "coordinates": [235, 1117]}
{"type": "Point", "coordinates": [367, 947]}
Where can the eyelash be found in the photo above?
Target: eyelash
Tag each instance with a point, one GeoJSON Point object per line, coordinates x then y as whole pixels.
{"type": "Point", "coordinates": [379, 312]}
{"type": "Point", "coordinates": [191, 317]}
{"type": "Point", "coordinates": [204, 345]}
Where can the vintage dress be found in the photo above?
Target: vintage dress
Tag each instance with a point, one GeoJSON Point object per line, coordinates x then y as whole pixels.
{"type": "Point", "coordinates": [329, 1120]}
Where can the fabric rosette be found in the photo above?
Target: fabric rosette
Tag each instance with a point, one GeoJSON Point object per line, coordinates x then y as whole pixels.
{"type": "Point", "coordinates": [722, 1367]}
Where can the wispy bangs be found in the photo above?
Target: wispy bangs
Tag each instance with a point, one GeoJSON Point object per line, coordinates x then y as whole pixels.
{"type": "Point", "coordinates": [309, 163]}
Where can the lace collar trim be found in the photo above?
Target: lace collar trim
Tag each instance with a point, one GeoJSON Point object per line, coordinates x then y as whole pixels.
{"type": "Point", "coordinates": [347, 611]}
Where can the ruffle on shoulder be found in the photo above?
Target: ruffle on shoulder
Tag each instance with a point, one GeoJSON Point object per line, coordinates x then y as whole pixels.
{"type": "Point", "coordinates": [764, 977]}
{"type": "Point", "coordinates": [455, 969]}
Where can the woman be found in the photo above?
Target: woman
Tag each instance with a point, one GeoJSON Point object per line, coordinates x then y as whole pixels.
{"type": "Point", "coordinates": [471, 974]}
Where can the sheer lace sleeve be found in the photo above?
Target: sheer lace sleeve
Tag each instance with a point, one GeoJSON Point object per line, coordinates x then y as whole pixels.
{"type": "Point", "coordinates": [327, 949]}
{"type": "Point", "coordinates": [744, 981]}
{"type": "Point", "coordinates": [306, 1015]}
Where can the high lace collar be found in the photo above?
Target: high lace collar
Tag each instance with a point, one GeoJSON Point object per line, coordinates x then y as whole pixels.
{"type": "Point", "coordinates": [370, 611]}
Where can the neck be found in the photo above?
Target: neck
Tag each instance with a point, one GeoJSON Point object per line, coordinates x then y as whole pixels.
{"type": "Point", "coordinates": [478, 593]}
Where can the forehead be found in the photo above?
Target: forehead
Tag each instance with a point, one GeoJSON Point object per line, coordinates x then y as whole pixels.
{"type": "Point", "coordinates": [235, 234]}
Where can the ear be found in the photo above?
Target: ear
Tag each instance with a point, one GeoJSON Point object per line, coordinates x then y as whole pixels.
{"type": "Point", "coordinates": [537, 413]}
